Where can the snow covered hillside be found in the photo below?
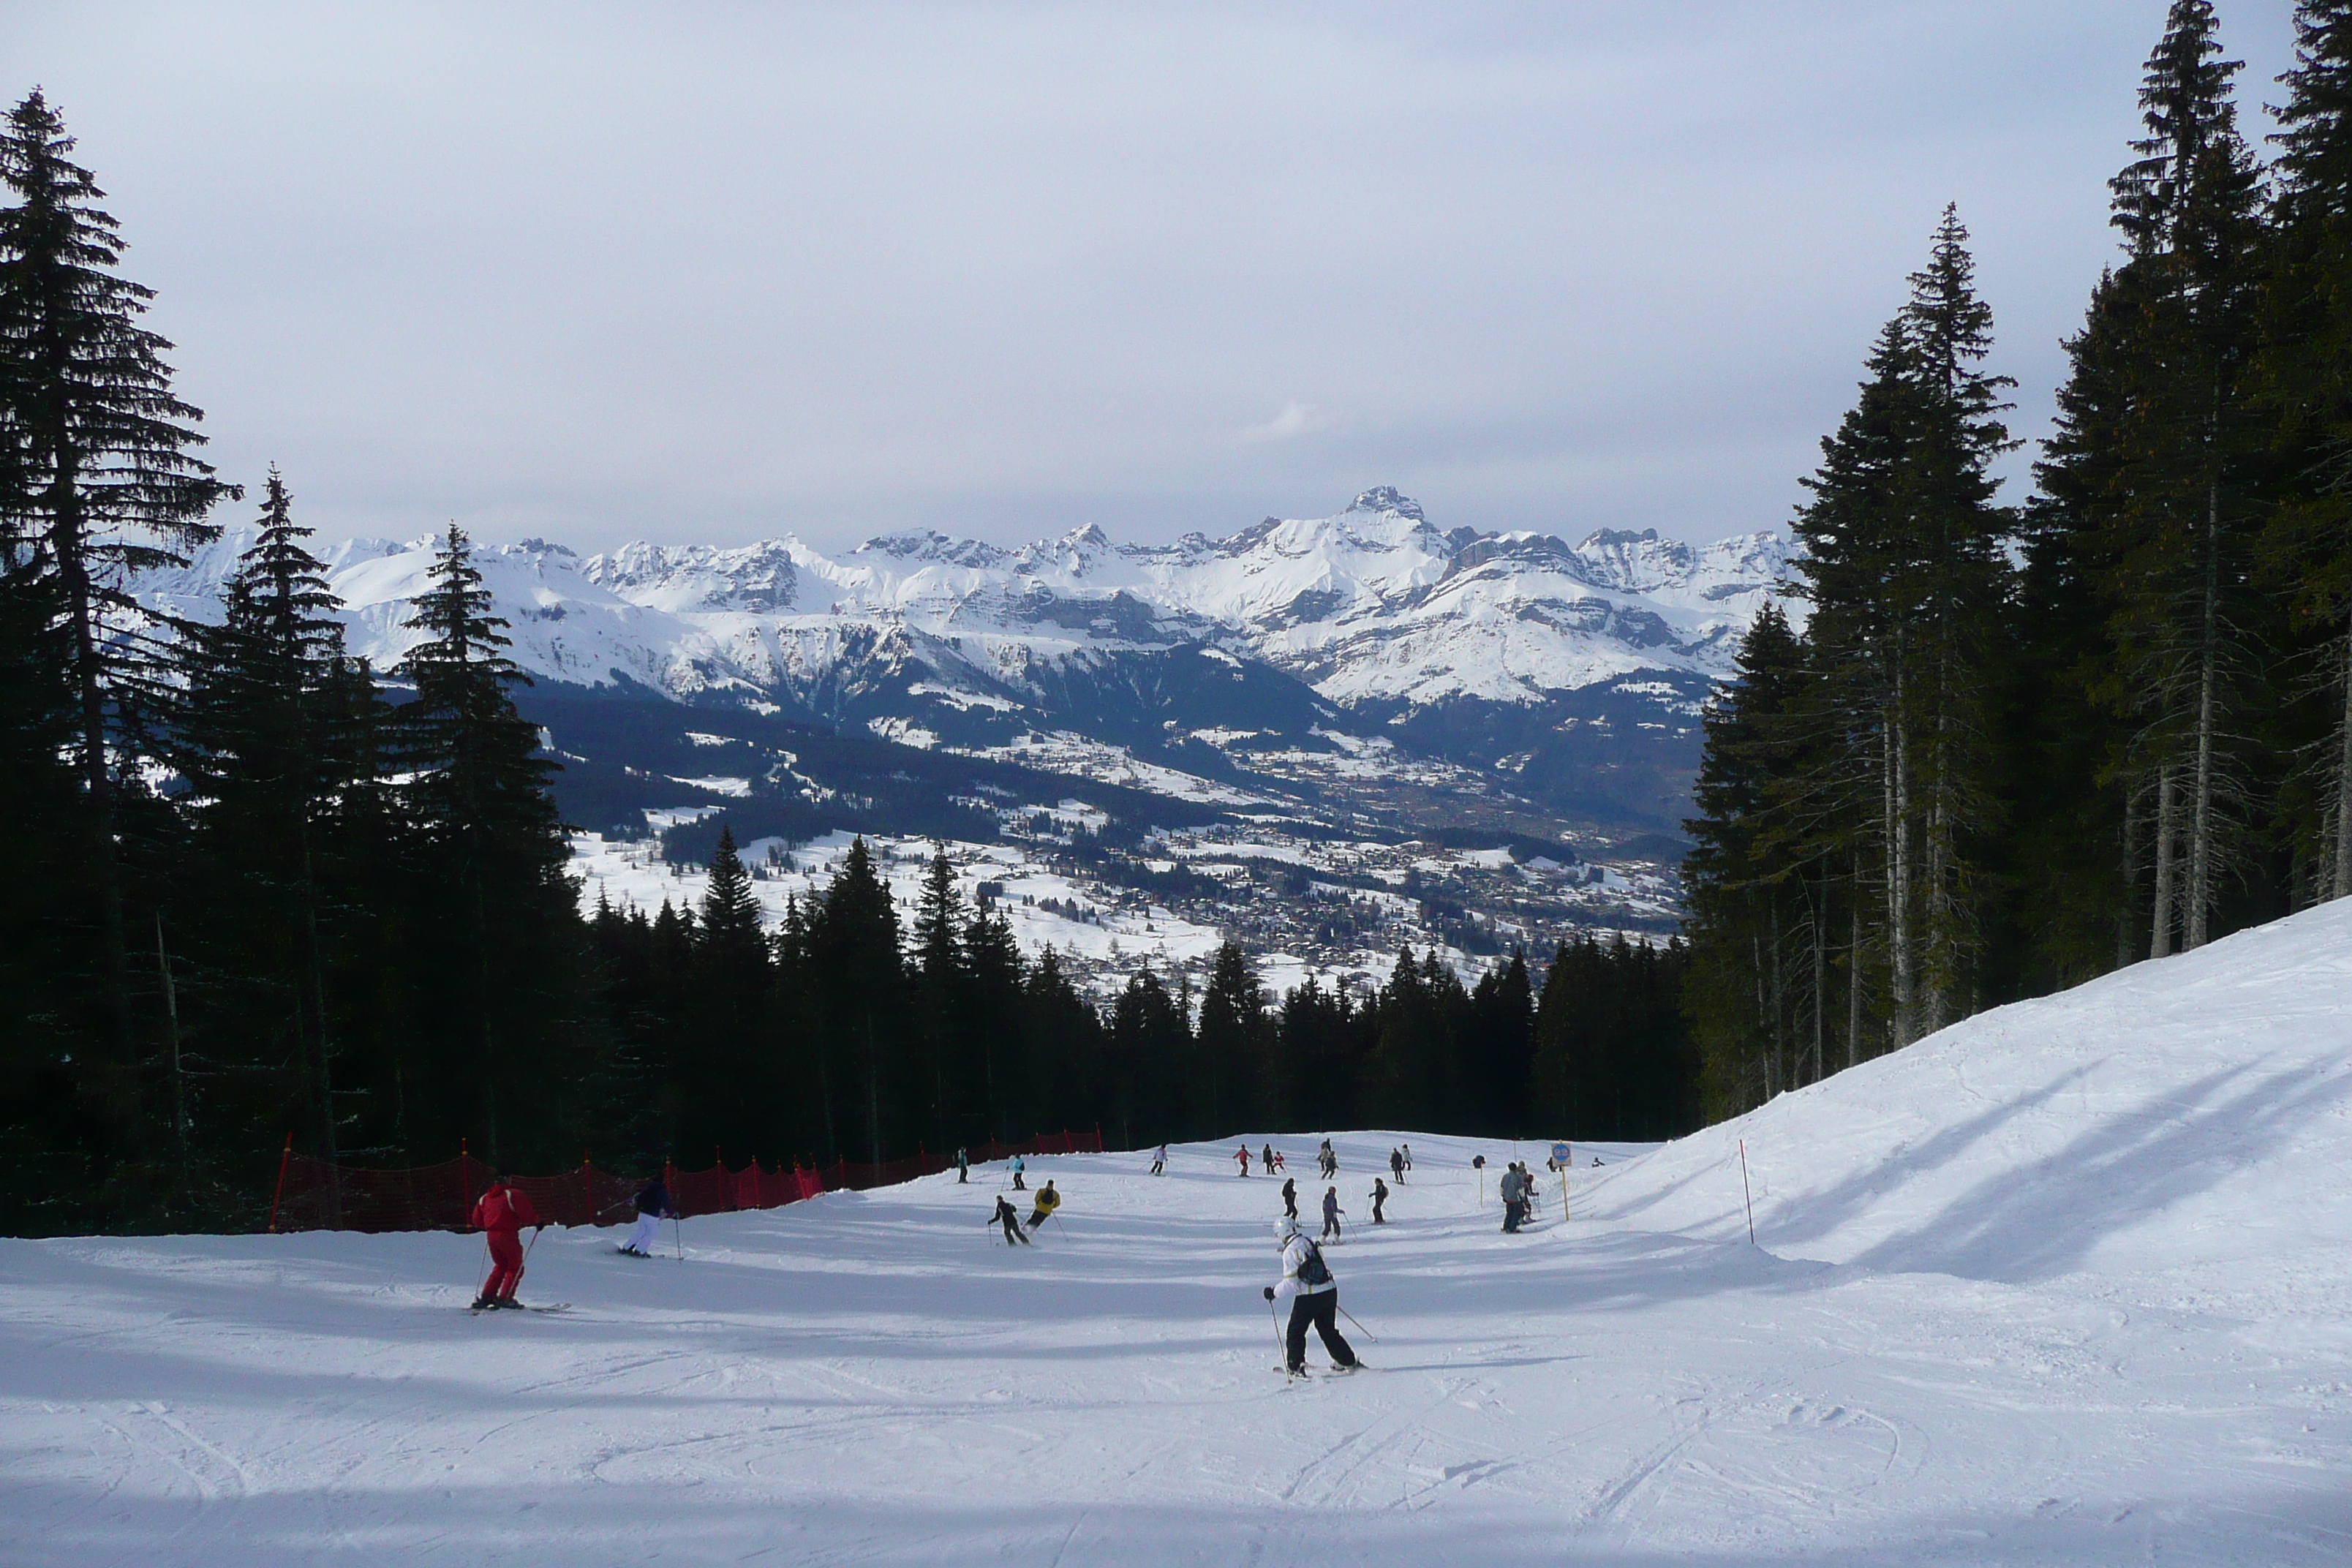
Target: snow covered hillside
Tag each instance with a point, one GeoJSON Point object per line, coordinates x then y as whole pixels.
{"type": "Point", "coordinates": [2064, 1285]}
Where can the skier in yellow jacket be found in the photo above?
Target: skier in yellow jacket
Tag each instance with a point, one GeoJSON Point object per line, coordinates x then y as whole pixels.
{"type": "Point", "coordinates": [1048, 1200]}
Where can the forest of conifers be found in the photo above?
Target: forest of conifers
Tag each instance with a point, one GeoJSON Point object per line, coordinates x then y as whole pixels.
{"type": "Point", "coordinates": [259, 890]}
{"type": "Point", "coordinates": [2004, 748]}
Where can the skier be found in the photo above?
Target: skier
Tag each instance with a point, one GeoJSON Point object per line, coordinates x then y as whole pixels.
{"type": "Point", "coordinates": [1242, 1154]}
{"type": "Point", "coordinates": [1314, 1298]}
{"type": "Point", "coordinates": [653, 1207]}
{"type": "Point", "coordinates": [1048, 1200]}
{"type": "Point", "coordinates": [1331, 1212]}
{"type": "Point", "coordinates": [501, 1213]}
{"type": "Point", "coordinates": [1290, 1197]}
{"type": "Point", "coordinates": [1265, 1161]}
{"type": "Point", "coordinates": [963, 1167]}
{"type": "Point", "coordinates": [1006, 1216]}
{"type": "Point", "coordinates": [1018, 1184]}
{"type": "Point", "coordinates": [1380, 1196]}
{"type": "Point", "coordinates": [1396, 1166]}
{"type": "Point", "coordinates": [1160, 1160]}
{"type": "Point", "coordinates": [1513, 1186]}
{"type": "Point", "coordinates": [1278, 1163]}
{"type": "Point", "coordinates": [1408, 1156]}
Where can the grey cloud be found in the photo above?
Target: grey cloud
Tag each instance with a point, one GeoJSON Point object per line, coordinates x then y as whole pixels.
{"type": "Point", "coordinates": [602, 271]}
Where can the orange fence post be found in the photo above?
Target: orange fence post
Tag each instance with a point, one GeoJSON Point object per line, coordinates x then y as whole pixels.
{"type": "Point", "coordinates": [278, 1195]}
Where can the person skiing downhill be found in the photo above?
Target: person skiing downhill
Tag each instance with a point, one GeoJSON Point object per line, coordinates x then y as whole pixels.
{"type": "Point", "coordinates": [1048, 1200]}
{"type": "Point", "coordinates": [1242, 1154]}
{"type": "Point", "coordinates": [501, 1214]}
{"type": "Point", "coordinates": [1266, 1160]}
{"type": "Point", "coordinates": [1396, 1166]}
{"type": "Point", "coordinates": [1018, 1184]}
{"type": "Point", "coordinates": [1010, 1219]}
{"type": "Point", "coordinates": [1515, 1186]}
{"type": "Point", "coordinates": [1276, 1164]}
{"type": "Point", "coordinates": [1331, 1212]}
{"type": "Point", "coordinates": [1380, 1196]}
{"type": "Point", "coordinates": [963, 1168]}
{"type": "Point", "coordinates": [653, 1207]}
{"type": "Point", "coordinates": [1407, 1151]}
{"type": "Point", "coordinates": [1290, 1197]}
{"type": "Point", "coordinates": [1314, 1296]}
{"type": "Point", "coordinates": [1160, 1160]}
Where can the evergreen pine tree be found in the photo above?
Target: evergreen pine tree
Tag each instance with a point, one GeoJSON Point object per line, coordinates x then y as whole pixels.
{"type": "Point", "coordinates": [2304, 385]}
{"type": "Point", "coordinates": [99, 482]}
{"type": "Point", "coordinates": [500, 950]}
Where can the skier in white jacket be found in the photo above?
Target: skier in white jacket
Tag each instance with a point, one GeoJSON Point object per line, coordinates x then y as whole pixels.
{"type": "Point", "coordinates": [1314, 1296]}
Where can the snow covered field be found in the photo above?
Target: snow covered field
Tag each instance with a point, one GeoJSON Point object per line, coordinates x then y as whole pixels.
{"type": "Point", "coordinates": [2067, 1284]}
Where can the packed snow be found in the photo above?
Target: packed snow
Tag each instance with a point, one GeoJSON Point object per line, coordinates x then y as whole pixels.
{"type": "Point", "coordinates": [2065, 1284]}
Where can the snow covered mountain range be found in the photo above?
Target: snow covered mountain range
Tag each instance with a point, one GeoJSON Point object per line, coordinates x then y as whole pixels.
{"type": "Point", "coordinates": [1485, 650]}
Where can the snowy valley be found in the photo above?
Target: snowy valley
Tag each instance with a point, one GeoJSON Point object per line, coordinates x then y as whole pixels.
{"type": "Point", "coordinates": [2064, 1284]}
{"type": "Point", "coordinates": [1300, 695]}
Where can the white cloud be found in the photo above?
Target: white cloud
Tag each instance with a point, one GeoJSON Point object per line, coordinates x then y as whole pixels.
{"type": "Point", "coordinates": [1295, 419]}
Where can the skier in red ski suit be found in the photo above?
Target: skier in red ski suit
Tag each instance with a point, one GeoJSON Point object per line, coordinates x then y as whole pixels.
{"type": "Point", "coordinates": [501, 1213]}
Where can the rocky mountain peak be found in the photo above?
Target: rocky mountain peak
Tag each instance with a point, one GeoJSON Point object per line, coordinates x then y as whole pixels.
{"type": "Point", "coordinates": [1388, 497]}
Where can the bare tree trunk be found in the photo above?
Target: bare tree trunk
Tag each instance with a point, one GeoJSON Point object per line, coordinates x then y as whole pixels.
{"type": "Point", "coordinates": [1820, 969]}
{"type": "Point", "coordinates": [2341, 883]}
{"type": "Point", "coordinates": [1900, 975]}
{"type": "Point", "coordinates": [1779, 1000]}
{"type": "Point", "coordinates": [1763, 1012]}
{"type": "Point", "coordinates": [2125, 905]}
{"type": "Point", "coordinates": [1853, 972]}
{"type": "Point", "coordinates": [2197, 896]}
{"type": "Point", "coordinates": [2167, 827]}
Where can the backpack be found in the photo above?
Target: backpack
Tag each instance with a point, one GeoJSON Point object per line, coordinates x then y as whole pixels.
{"type": "Point", "coordinates": [1312, 1270]}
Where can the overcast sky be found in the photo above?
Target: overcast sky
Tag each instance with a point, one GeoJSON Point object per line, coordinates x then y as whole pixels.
{"type": "Point", "coordinates": [602, 271]}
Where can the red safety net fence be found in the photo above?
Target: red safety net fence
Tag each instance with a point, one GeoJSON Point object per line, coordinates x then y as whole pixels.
{"type": "Point", "coordinates": [312, 1194]}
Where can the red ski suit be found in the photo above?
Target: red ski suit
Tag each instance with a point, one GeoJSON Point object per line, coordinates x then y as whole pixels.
{"type": "Point", "coordinates": [502, 1213]}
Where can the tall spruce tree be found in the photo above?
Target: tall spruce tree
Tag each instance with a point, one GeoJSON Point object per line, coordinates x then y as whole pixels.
{"type": "Point", "coordinates": [2185, 460]}
{"type": "Point", "coordinates": [101, 481]}
{"type": "Point", "coordinates": [1905, 570]}
{"type": "Point", "coordinates": [2303, 386]}
{"type": "Point", "coordinates": [503, 955]}
{"type": "Point", "coordinates": [261, 743]}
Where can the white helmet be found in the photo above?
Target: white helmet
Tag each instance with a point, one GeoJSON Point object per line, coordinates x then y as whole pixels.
{"type": "Point", "coordinates": [1285, 1229]}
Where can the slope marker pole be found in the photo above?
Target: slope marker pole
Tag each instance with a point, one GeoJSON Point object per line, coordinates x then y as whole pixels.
{"type": "Point", "coordinates": [1745, 1194]}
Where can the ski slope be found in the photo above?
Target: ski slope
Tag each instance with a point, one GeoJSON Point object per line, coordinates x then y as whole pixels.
{"type": "Point", "coordinates": [2067, 1284]}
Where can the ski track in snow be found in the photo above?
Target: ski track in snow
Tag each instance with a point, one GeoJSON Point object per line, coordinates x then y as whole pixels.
{"type": "Point", "coordinates": [2064, 1285]}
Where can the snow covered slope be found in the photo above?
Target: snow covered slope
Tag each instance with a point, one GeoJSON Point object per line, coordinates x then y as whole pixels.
{"type": "Point", "coordinates": [2192, 1115]}
{"type": "Point", "coordinates": [2075, 1294]}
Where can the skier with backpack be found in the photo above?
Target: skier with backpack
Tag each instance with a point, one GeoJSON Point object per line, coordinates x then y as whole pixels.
{"type": "Point", "coordinates": [653, 1207]}
{"type": "Point", "coordinates": [1380, 1196]}
{"type": "Point", "coordinates": [1047, 1201]}
{"type": "Point", "coordinates": [1006, 1216]}
{"type": "Point", "coordinates": [1314, 1296]}
{"type": "Point", "coordinates": [501, 1215]}
{"type": "Point", "coordinates": [1018, 1184]}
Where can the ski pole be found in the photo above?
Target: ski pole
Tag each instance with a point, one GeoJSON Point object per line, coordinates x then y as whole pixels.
{"type": "Point", "coordinates": [677, 1234]}
{"type": "Point", "coordinates": [1359, 1328]}
{"type": "Point", "coordinates": [1281, 1350]}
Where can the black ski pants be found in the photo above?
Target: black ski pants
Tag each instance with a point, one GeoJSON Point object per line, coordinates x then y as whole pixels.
{"type": "Point", "coordinates": [1322, 1310]}
{"type": "Point", "coordinates": [1012, 1230]}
